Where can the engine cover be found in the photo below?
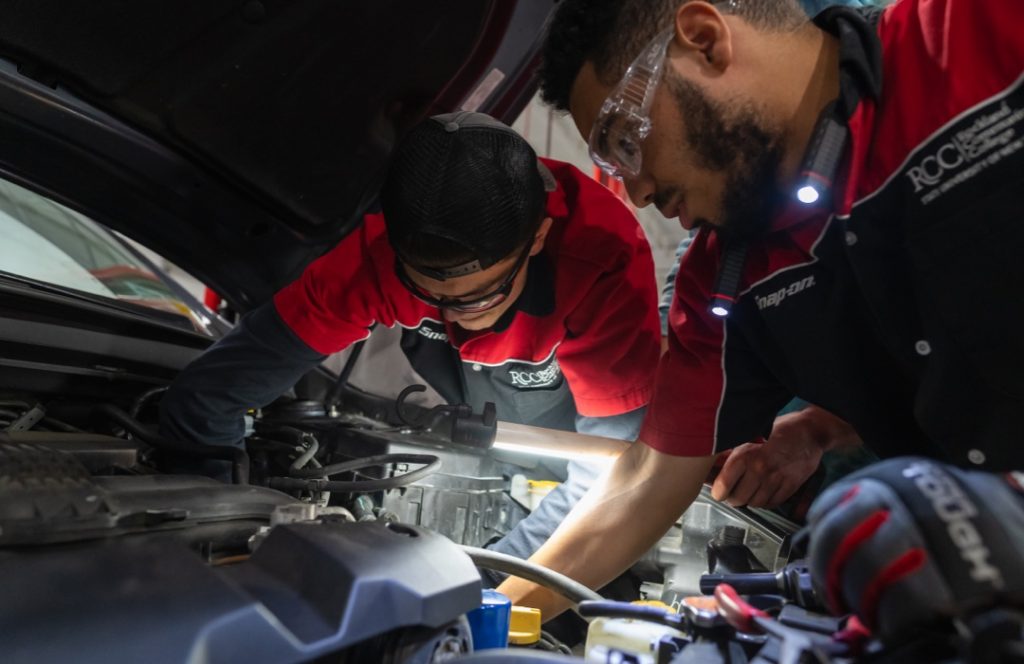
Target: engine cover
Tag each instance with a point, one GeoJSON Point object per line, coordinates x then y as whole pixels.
{"type": "Point", "coordinates": [308, 590]}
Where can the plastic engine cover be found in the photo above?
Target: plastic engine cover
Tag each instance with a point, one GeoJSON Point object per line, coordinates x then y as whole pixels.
{"type": "Point", "coordinates": [310, 589]}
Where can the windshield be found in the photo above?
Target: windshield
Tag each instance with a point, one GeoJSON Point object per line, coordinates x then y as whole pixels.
{"type": "Point", "coordinates": [47, 242]}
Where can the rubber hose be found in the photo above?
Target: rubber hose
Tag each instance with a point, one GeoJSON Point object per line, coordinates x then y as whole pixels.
{"type": "Point", "coordinates": [359, 486]}
{"type": "Point", "coordinates": [138, 404]}
{"type": "Point", "coordinates": [306, 456]}
{"type": "Point", "coordinates": [609, 609]}
{"type": "Point", "coordinates": [561, 584]}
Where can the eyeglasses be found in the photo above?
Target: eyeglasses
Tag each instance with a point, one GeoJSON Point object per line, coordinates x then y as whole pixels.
{"type": "Point", "coordinates": [624, 120]}
{"type": "Point", "coordinates": [476, 305]}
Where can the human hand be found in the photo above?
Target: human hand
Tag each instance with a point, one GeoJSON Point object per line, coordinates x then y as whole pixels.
{"type": "Point", "coordinates": [767, 474]}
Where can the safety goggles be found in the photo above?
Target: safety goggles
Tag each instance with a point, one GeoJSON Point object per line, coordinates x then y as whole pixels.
{"type": "Point", "coordinates": [624, 120]}
{"type": "Point", "coordinates": [477, 304]}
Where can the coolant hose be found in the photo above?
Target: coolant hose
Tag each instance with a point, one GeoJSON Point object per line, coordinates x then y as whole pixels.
{"type": "Point", "coordinates": [524, 569]}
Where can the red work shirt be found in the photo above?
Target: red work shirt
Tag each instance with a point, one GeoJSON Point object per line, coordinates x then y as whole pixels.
{"type": "Point", "coordinates": [900, 310]}
{"type": "Point", "coordinates": [583, 337]}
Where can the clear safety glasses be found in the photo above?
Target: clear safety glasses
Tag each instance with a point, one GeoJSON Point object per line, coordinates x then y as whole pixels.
{"type": "Point", "coordinates": [625, 117]}
{"type": "Point", "coordinates": [475, 305]}
{"type": "Point", "coordinates": [624, 120]}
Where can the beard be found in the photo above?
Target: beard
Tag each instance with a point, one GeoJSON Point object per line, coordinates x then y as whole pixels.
{"type": "Point", "coordinates": [738, 143]}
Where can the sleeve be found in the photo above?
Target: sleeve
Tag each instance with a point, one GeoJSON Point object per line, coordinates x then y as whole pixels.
{"type": "Point", "coordinates": [621, 427]}
{"type": "Point", "coordinates": [342, 294]}
{"type": "Point", "coordinates": [668, 291]}
{"type": "Point", "coordinates": [612, 342]}
{"type": "Point", "coordinates": [250, 367]}
{"type": "Point", "coordinates": [711, 391]}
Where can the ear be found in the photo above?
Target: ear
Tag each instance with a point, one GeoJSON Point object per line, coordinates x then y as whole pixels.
{"type": "Point", "coordinates": [541, 236]}
{"type": "Point", "coordinates": [702, 31]}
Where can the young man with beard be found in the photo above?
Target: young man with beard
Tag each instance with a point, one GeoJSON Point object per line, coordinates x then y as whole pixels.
{"type": "Point", "coordinates": [891, 302]}
{"type": "Point", "coordinates": [494, 276]}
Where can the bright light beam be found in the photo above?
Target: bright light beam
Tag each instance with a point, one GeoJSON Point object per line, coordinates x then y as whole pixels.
{"type": "Point", "coordinates": [553, 443]}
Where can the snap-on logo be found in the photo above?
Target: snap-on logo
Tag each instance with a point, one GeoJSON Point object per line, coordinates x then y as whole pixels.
{"type": "Point", "coordinates": [545, 377]}
{"type": "Point", "coordinates": [776, 298]}
{"type": "Point", "coordinates": [433, 335]}
{"type": "Point", "coordinates": [986, 141]}
{"type": "Point", "coordinates": [952, 506]}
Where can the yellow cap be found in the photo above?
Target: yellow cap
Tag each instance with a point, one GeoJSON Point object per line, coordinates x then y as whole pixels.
{"type": "Point", "coordinates": [524, 626]}
{"type": "Point", "coordinates": [655, 603]}
{"type": "Point", "coordinates": [541, 484]}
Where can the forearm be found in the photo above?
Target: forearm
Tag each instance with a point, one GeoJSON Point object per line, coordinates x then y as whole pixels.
{"type": "Point", "coordinates": [530, 534]}
{"type": "Point", "coordinates": [250, 367]}
{"type": "Point", "coordinates": [604, 535]}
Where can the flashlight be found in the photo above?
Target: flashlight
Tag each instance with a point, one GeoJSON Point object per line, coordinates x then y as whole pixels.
{"type": "Point", "coordinates": [727, 283]}
{"type": "Point", "coordinates": [818, 172]}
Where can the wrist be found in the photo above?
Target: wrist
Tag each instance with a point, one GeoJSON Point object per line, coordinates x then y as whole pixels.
{"type": "Point", "coordinates": [824, 431]}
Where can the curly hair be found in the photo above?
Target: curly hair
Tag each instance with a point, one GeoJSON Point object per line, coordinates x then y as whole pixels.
{"type": "Point", "coordinates": [610, 34]}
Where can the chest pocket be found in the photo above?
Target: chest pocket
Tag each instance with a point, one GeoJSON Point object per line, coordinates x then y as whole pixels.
{"type": "Point", "coordinates": [971, 264]}
{"type": "Point", "coordinates": [540, 394]}
{"type": "Point", "coordinates": [552, 408]}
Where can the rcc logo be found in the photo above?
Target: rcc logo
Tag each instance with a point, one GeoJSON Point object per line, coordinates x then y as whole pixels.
{"type": "Point", "coordinates": [932, 168]}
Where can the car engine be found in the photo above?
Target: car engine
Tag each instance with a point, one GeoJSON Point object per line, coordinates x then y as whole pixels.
{"type": "Point", "coordinates": [109, 534]}
{"type": "Point", "coordinates": [102, 543]}
{"type": "Point", "coordinates": [351, 534]}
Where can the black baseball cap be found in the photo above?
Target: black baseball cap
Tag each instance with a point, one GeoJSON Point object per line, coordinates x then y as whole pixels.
{"type": "Point", "coordinates": [463, 192]}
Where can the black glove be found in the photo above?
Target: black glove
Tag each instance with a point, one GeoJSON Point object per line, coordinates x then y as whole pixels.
{"type": "Point", "coordinates": [910, 542]}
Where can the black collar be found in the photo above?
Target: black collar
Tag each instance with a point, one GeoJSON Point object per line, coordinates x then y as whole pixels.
{"type": "Point", "coordinates": [538, 295]}
{"type": "Point", "coordinates": [860, 53]}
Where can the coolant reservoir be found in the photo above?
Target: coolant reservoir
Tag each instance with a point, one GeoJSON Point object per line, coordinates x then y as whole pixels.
{"type": "Point", "coordinates": [635, 637]}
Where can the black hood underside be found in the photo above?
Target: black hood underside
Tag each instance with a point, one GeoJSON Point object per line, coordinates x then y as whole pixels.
{"type": "Point", "coordinates": [259, 130]}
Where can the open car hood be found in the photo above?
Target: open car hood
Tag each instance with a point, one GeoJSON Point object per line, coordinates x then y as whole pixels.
{"type": "Point", "coordinates": [242, 138]}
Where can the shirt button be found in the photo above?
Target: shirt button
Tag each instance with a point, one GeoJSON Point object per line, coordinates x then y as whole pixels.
{"type": "Point", "coordinates": [977, 457]}
{"type": "Point", "coordinates": [851, 238]}
{"type": "Point", "coordinates": [923, 348]}
{"type": "Point", "coordinates": [477, 367]}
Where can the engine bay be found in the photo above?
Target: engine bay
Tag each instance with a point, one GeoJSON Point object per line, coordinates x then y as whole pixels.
{"type": "Point", "coordinates": [353, 532]}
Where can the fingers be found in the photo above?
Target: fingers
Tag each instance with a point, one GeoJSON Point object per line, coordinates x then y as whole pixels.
{"type": "Point", "coordinates": [764, 493]}
{"type": "Point", "coordinates": [758, 476]}
{"type": "Point", "coordinates": [734, 468]}
{"type": "Point", "coordinates": [781, 495]}
{"type": "Point", "coordinates": [745, 489]}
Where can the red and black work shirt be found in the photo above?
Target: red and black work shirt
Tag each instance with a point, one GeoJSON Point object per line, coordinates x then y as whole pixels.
{"type": "Point", "coordinates": [902, 313]}
{"type": "Point", "coordinates": [583, 337]}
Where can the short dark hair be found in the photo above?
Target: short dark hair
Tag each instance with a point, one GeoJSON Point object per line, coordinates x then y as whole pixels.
{"type": "Point", "coordinates": [460, 190]}
{"type": "Point", "coordinates": [610, 34]}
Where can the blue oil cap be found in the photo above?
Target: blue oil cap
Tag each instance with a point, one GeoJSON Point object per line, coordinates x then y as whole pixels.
{"type": "Point", "coordinates": [489, 622]}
